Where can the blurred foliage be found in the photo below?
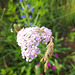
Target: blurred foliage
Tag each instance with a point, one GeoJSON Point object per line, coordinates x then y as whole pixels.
{"type": "Point", "coordinates": [54, 14]}
{"type": "Point", "coordinates": [71, 37]}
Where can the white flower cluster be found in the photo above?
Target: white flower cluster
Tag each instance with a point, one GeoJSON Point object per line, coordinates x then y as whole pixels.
{"type": "Point", "coordinates": [29, 39]}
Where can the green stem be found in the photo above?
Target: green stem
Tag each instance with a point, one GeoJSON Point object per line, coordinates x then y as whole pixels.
{"type": "Point", "coordinates": [36, 18]}
{"type": "Point", "coordinates": [26, 12]}
{"type": "Point", "coordinates": [58, 72]}
{"type": "Point", "coordinates": [3, 13]}
{"type": "Point", "coordinates": [25, 8]}
{"type": "Point", "coordinates": [22, 5]}
{"type": "Point", "coordinates": [28, 18]}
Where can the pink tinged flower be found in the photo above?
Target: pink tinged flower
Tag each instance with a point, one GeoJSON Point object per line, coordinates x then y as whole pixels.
{"type": "Point", "coordinates": [37, 44]}
{"type": "Point", "coordinates": [58, 23]}
{"type": "Point", "coordinates": [30, 60]}
{"type": "Point", "coordinates": [56, 55]}
{"type": "Point", "coordinates": [41, 74]}
{"type": "Point", "coordinates": [53, 67]}
{"type": "Point", "coordinates": [31, 7]}
{"type": "Point", "coordinates": [35, 56]}
{"type": "Point", "coordinates": [38, 65]}
{"type": "Point", "coordinates": [26, 59]}
{"type": "Point", "coordinates": [49, 65]}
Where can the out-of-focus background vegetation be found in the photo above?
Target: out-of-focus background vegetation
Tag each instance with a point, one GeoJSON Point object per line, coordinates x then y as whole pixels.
{"type": "Point", "coordinates": [58, 15]}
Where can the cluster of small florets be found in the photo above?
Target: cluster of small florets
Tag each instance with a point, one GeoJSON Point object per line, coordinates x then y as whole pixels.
{"type": "Point", "coordinates": [29, 39]}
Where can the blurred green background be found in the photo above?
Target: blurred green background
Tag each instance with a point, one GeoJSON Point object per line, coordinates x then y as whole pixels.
{"type": "Point", "coordinates": [58, 15]}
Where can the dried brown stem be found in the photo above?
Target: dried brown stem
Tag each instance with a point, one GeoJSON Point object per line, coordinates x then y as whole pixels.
{"type": "Point", "coordinates": [48, 53]}
{"type": "Point", "coordinates": [4, 63]}
{"type": "Point", "coordinates": [40, 31]}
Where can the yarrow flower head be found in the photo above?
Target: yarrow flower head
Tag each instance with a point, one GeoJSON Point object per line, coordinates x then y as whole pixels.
{"type": "Point", "coordinates": [29, 38]}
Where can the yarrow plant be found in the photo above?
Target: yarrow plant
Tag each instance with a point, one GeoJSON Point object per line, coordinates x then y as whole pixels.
{"type": "Point", "coordinates": [29, 38]}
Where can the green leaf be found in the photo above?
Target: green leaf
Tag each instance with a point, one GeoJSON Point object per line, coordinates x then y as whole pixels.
{"type": "Point", "coordinates": [42, 12]}
{"type": "Point", "coordinates": [71, 57]}
{"type": "Point", "coordinates": [22, 69]}
{"type": "Point", "coordinates": [3, 72]}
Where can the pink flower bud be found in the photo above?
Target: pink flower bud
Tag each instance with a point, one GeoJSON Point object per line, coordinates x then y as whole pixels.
{"type": "Point", "coordinates": [41, 74]}
{"type": "Point", "coordinates": [56, 55]}
{"type": "Point", "coordinates": [48, 64]}
{"type": "Point", "coordinates": [38, 65]}
{"type": "Point", "coordinates": [53, 67]}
